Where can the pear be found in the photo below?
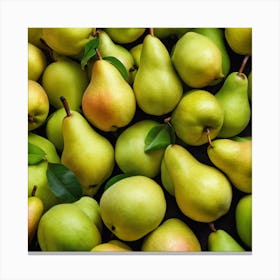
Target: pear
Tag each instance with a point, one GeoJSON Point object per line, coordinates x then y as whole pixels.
{"type": "Point", "coordinates": [233, 98]}
{"type": "Point", "coordinates": [110, 247]}
{"type": "Point", "coordinates": [35, 35]}
{"type": "Point", "coordinates": [130, 145]}
{"type": "Point", "coordinates": [65, 227]}
{"type": "Point", "coordinates": [87, 153]}
{"type": "Point", "coordinates": [202, 192]}
{"type": "Point", "coordinates": [125, 35]}
{"type": "Point", "coordinates": [221, 241]}
{"type": "Point", "coordinates": [132, 207]}
{"type": "Point", "coordinates": [67, 41]}
{"type": "Point", "coordinates": [108, 102]}
{"type": "Point", "coordinates": [234, 158]}
{"type": "Point", "coordinates": [65, 77]}
{"type": "Point", "coordinates": [243, 219]}
{"type": "Point", "coordinates": [173, 235]}
{"type": "Point", "coordinates": [157, 87]}
{"type": "Point", "coordinates": [37, 62]}
{"type": "Point", "coordinates": [197, 60]}
{"type": "Point", "coordinates": [136, 53]}
{"type": "Point", "coordinates": [239, 40]}
{"type": "Point", "coordinates": [197, 117]}
{"type": "Point", "coordinates": [166, 180]}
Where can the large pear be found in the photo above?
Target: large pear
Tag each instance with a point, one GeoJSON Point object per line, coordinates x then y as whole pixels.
{"type": "Point", "coordinates": [202, 192]}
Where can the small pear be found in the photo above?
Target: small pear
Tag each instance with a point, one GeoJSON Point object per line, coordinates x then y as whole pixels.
{"type": "Point", "coordinates": [197, 60]}
{"type": "Point", "coordinates": [37, 62]}
{"type": "Point", "coordinates": [202, 192]}
{"type": "Point", "coordinates": [110, 247]}
{"type": "Point", "coordinates": [136, 53]}
{"type": "Point", "coordinates": [173, 235]}
{"type": "Point", "coordinates": [125, 35]}
{"type": "Point", "coordinates": [108, 102]}
{"type": "Point", "coordinates": [90, 157]}
{"type": "Point", "coordinates": [234, 158]}
{"type": "Point", "coordinates": [233, 98]}
{"type": "Point", "coordinates": [157, 87]}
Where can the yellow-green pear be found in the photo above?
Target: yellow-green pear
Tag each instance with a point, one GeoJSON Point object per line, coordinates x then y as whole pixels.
{"type": "Point", "coordinates": [133, 207]}
{"type": "Point", "coordinates": [67, 41]}
{"type": "Point", "coordinates": [120, 244]}
{"type": "Point", "coordinates": [197, 60]}
{"type": "Point", "coordinates": [65, 227]}
{"type": "Point", "coordinates": [110, 247]}
{"type": "Point", "coordinates": [173, 235]}
{"type": "Point", "coordinates": [87, 153]}
{"type": "Point", "coordinates": [239, 40]}
{"type": "Point", "coordinates": [157, 87]}
{"type": "Point", "coordinates": [166, 180]}
{"type": "Point", "coordinates": [37, 62]}
{"type": "Point", "coordinates": [38, 105]}
{"type": "Point", "coordinates": [197, 117]}
{"type": "Point", "coordinates": [202, 192]}
{"type": "Point", "coordinates": [108, 102]}
{"type": "Point", "coordinates": [130, 152]}
{"type": "Point", "coordinates": [136, 53]}
{"type": "Point", "coordinates": [34, 37]}
{"type": "Point", "coordinates": [234, 158]}
{"type": "Point", "coordinates": [125, 35]}
{"type": "Point", "coordinates": [65, 77]}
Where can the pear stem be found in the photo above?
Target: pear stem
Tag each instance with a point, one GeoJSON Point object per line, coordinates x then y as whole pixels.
{"type": "Point", "coordinates": [98, 54]}
{"type": "Point", "coordinates": [34, 190]}
{"type": "Point", "coordinates": [212, 227]}
{"type": "Point", "coordinates": [243, 64]}
{"type": "Point", "coordinates": [167, 120]}
{"type": "Point", "coordinates": [152, 31]}
{"type": "Point", "coordinates": [65, 105]}
{"type": "Point", "coordinates": [30, 118]}
{"type": "Point", "coordinates": [208, 136]}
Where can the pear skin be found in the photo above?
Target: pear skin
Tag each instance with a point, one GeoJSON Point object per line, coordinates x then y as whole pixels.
{"type": "Point", "coordinates": [109, 247]}
{"type": "Point", "coordinates": [125, 35]}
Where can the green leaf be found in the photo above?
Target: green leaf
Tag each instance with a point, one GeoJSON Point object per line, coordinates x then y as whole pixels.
{"type": "Point", "coordinates": [89, 51]}
{"type": "Point", "coordinates": [35, 154]}
{"type": "Point", "coordinates": [159, 137]}
{"type": "Point", "coordinates": [63, 182]}
{"type": "Point", "coordinates": [115, 179]}
{"type": "Point", "coordinates": [118, 64]}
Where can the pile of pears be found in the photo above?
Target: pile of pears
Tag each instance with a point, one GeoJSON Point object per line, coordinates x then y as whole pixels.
{"type": "Point", "coordinates": [139, 139]}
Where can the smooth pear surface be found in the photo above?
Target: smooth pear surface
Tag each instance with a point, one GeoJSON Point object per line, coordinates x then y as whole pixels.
{"type": "Point", "coordinates": [109, 247]}
{"type": "Point", "coordinates": [125, 35]}
{"type": "Point", "coordinates": [173, 235]}
{"type": "Point", "coordinates": [202, 192]}
{"type": "Point", "coordinates": [157, 87]}
{"type": "Point", "coordinates": [133, 207]}
{"type": "Point", "coordinates": [37, 62]}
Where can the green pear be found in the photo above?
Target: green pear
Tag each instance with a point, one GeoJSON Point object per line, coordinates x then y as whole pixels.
{"type": "Point", "coordinates": [202, 192]}
{"type": "Point", "coordinates": [235, 160]}
{"type": "Point", "coordinates": [197, 117]}
{"type": "Point", "coordinates": [87, 153]}
{"type": "Point", "coordinates": [125, 35]}
{"type": "Point", "coordinates": [37, 173]}
{"type": "Point", "coordinates": [65, 227]}
{"type": "Point", "coordinates": [221, 241]}
{"type": "Point", "coordinates": [239, 40]}
{"type": "Point", "coordinates": [108, 102]}
{"type": "Point", "coordinates": [173, 235]}
{"type": "Point", "coordinates": [67, 41]}
{"type": "Point", "coordinates": [65, 77]}
{"type": "Point", "coordinates": [250, 86]}
{"type": "Point", "coordinates": [233, 98]}
{"type": "Point", "coordinates": [91, 208]}
{"type": "Point", "coordinates": [35, 35]}
{"type": "Point", "coordinates": [120, 244]}
{"type": "Point", "coordinates": [243, 219]}
{"type": "Point", "coordinates": [37, 62]}
{"type": "Point", "coordinates": [130, 145]}
{"type": "Point", "coordinates": [157, 87]}
{"type": "Point", "coordinates": [197, 60]}
{"type": "Point", "coordinates": [108, 48]}
{"type": "Point", "coordinates": [136, 53]}
{"type": "Point", "coordinates": [132, 207]}
{"type": "Point", "coordinates": [38, 105]}
{"type": "Point", "coordinates": [54, 128]}
{"type": "Point", "coordinates": [217, 36]}
{"type": "Point", "coordinates": [110, 247]}
{"type": "Point", "coordinates": [166, 180]}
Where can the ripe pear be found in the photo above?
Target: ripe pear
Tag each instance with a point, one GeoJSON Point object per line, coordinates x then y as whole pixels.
{"type": "Point", "coordinates": [233, 98]}
{"type": "Point", "coordinates": [130, 145]}
{"type": "Point", "coordinates": [202, 192]}
{"type": "Point", "coordinates": [125, 35]}
{"type": "Point", "coordinates": [136, 53]}
{"type": "Point", "coordinates": [166, 180]}
{"type": "Point", "coordinates": [65, 227]}
{"type": "Point", "coordinates": [110, 247]}
{"type": "Point", "coordinates": [108, 102]}
{"type": "Point", "coordinates": [197, 60]}
{"type": "Point", "coordinates": [37, 62]}
{"type": "Point", "coordinates": [38, 105]}
{"type": "Point", "coordinates": [157, 87]}
{"type": "Point", "coordinates": [221, 241]}
{"type": "Point", "coordinates": [234, 158]}
{"type": "Point", "coordinates": [133, 207]}
{"type": "Point", "coordinates": [67, 41]}
{"type": "Point", "coordinates": [239, 40]}
{"type": "Point", "coordinates": [198, 117]}
{"type": "Point", "coordinates": [87, 153]}
{"type": "Point", "coordinates": [243, 219]}
{"type": "Point", "coordinates": [173, 235]}
{"type": "Point", "coordinates": [34, 37]}
{"type": "Point", "coordinates": [65, 77]}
